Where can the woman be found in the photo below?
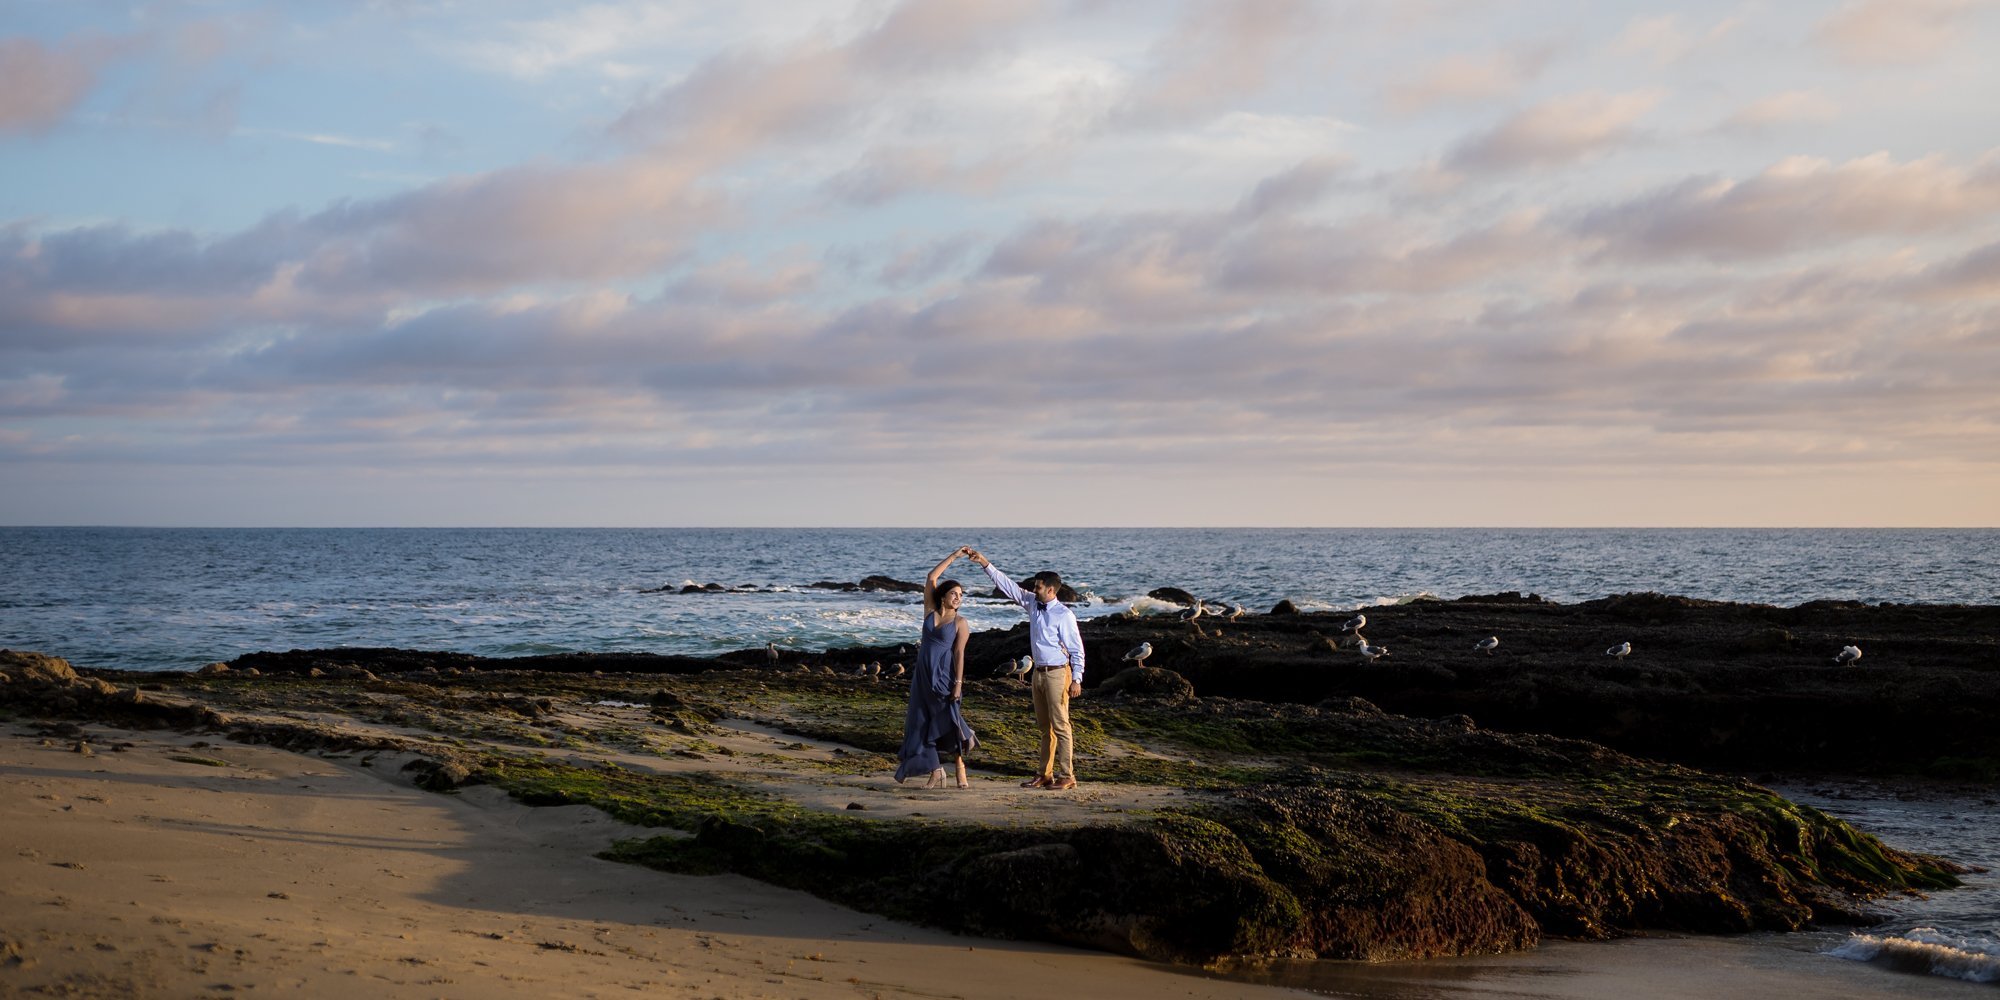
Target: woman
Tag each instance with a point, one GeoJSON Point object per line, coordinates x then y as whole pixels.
{"type": "Point", "coordinates": [933, 727]}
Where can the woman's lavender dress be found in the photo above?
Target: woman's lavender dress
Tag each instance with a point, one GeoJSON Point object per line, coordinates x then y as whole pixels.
{"type": "Point", "coordinates": [933, 728]}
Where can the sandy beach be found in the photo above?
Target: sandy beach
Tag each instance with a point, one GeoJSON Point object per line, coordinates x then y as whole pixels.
{"type": "Point", "coordinates": [132, 873]}
{"type": "Point", "coordinates": [177, 867]}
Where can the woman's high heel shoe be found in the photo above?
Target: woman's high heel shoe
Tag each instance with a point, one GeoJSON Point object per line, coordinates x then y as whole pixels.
{"type": "Point", "coordinates": [937, 779]}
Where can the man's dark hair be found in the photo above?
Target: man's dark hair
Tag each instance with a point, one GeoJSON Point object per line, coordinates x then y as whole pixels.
{"type": "Point", "coordinates": [1048, 576]}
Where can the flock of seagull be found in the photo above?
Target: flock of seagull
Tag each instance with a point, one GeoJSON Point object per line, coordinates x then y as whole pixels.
{"type": "Point", "coordinates": [1368, 652]}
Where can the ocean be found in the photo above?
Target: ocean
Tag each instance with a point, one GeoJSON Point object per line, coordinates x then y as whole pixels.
{"type": "Point", "coordinates": [171, 599]}
{"type": "Point", "coordinates": [174, 599]}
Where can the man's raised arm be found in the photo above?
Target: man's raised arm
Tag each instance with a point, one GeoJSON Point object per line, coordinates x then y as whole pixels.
{"type": "Point", "coordinates": [1008, 587]}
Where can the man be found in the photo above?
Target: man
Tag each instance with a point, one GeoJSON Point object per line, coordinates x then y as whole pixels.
{"type": "Point", "coordinates": [1057, 676]}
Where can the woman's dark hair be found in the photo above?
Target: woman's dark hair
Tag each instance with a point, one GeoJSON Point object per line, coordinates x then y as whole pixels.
{"type": "Point", "coordinates": [943, 588]}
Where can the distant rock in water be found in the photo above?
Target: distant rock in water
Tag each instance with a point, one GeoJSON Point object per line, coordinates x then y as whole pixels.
{"type": "Point", "coordinates": [1065, 593]}
{"type": "Point", "coordinates": [1172, 595]}
{"type": "Point", "coordinates": [872, 583]}
{"type": "Point", "coordinates": [1285, 607]}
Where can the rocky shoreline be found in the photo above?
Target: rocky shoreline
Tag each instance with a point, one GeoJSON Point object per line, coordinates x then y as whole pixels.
{"type": "Point", "coordinates": [1245, 796]}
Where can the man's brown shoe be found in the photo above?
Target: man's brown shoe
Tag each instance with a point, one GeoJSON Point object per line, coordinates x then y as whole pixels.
{"type": "Point", "coordinates": [1037, 782]}
{"type": "Point", "coordinates": [1062, 785]}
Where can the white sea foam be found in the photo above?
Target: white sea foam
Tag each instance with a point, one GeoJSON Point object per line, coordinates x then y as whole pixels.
{"type": "Point", "coordinates": [1972, 957]}
{"type": "Point", "coordinates": [1400, 599]}
{"type": "Point", "coordinates": [1148, 606]}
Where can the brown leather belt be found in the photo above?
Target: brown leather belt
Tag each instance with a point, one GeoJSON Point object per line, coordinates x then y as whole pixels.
{"type": "Point", "coordinates": [1053, 666]}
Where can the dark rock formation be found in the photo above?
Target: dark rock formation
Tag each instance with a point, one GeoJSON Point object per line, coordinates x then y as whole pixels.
{"type": "Point", "coordinates": [1148, 682]}
{"type": "Point", "coordinates": [1735, 686]}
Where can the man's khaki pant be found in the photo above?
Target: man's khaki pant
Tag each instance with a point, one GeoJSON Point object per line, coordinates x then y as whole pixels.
{"type": "Point", "coordinates": [1051, 689]}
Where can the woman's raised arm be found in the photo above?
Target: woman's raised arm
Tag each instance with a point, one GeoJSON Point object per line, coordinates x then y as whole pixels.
{"type": "Point", "coordinates": [931, 581]}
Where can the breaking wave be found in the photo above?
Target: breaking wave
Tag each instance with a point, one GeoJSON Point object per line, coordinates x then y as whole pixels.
{"type": "Point", "coordinates": [1972, 957]}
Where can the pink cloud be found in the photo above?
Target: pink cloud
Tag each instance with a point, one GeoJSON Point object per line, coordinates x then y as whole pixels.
{"type": "Point", "coordinates": [1555, 132]}
{"type": "Point", "coordinates": [1796, 203]}
{"type": "Point", "coordinates": [39, 86]}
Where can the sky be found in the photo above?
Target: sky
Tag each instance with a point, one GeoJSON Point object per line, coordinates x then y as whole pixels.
{"type": "Point", "coordinates": [1000, 262]}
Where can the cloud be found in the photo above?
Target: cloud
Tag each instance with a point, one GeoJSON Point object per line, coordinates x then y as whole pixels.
{"type": "Point", "coordinates": [1555, 132]}
{"type": "Point", "coordinates": [1876, 33]}
{"type": "Point", "coordinates": [1215, 56]}
{"type": "Point", "coordinates": [1797, 203]}
{"type": "Point", "coordinates": [1976, 273]}
{"type": "Point", "coordinates": [1460, 78]}
{"type": "Point", "coordinates": [1785, 108]}
{"type": "Point", "coordinates": [39, 86]}
{"type": "Point", "coordinates": [886, 173]}
{"type": "Point", "coordinates": [582, 36]}
{"type": "Point", "coordinates": [1294, 189]}
{"type": "Point", "coordinates": [1664, 41]}
{"type": "Point", "coordinates": [520, 224]}
{"type": "Point", "coordinates": [739, 101]}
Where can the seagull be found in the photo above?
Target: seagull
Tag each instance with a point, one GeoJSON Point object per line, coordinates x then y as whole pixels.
{"type": "Point", "coordinates": [1193, 612]}
{"type": "Point", "coordinates": [1487, 645]}
{"type": "Point", "coordinates": [1372, 653]}
{"type": "Point", "coordinates": [1140, 652]}
{"type": "Point", "coordinates": [875, 669]}
{"type": "Point", "coordinates": [1354, 624]}
{"type": "Point", "coordinates": [1022, 666]}
{"type": "Point", "coordinates": [771, 653]}
{"type": "Point", "coordinates": [861, 671]}
{"type": "Point", "coordinates": [1847, 655]}
{"type": "Point", "coordinates": [897, 671]}
{"type": "Point", "coordinates": [1620, 651]}
{"type": "Point", "coordinates": [1237, 611]}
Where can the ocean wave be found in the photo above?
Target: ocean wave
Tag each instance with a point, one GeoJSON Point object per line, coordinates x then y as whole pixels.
{"type": "Point", "coordinates": [1972, 957]}
{"type": "Point", "coordinates": [1402, 599]}
{"type": "Point", "coordinates": [1147, 606]}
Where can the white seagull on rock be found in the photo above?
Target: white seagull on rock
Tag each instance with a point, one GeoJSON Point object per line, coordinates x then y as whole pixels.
{"type": "Point", "coordinates": [1487, 645]}
{"type": "Point", "coordinates": [1193, 612]}
{"type": "Point", "coordinates": [1372, 653]}
{"type": "Point", "coordinates": [1140, 652]}
{"type": "Point", "coordinates": [1354, 624]}
{"type": "Point", "coordinates": [1022, 666]}
{"type": "Point", "coordinates": [1847, 655]}
{"type": "Point", "coordinates": [1620, 651]}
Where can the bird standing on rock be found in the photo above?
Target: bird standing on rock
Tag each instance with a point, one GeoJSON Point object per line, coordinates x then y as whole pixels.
{"type": "Point", "coordinates": [1021, 667]}
{"type": "Point", "coordinates": [1140, 652]}
{"type": "Point", "coordinates": [1620, 651]}
{"type": "Point", "coordinates": [1192, 612]}
{"type": "Point", "coordinates": [1487, 645]}
{"type": "Point", "coordinates": [897, 670]}
{"type": "Point", "coordinates": [1354, 624]}
{"type": "Point", "coordinates": [771, 653]}
{"type": "Point", "coordinates": [1372, 653]}
{"type": "Point", "coordinates": [1847, 655]}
